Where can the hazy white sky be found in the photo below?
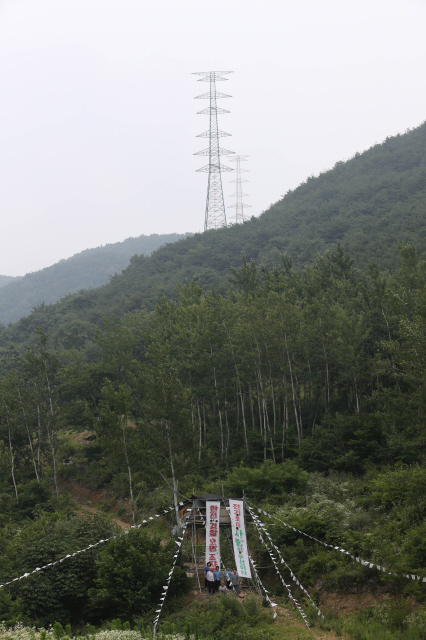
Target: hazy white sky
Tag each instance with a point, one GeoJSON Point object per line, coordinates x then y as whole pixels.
{"type": "Point", "coordinates": [98, 120]}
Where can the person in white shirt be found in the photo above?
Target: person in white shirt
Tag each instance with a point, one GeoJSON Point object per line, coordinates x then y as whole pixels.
{"type": "Point", "coordinates": [210, 581]}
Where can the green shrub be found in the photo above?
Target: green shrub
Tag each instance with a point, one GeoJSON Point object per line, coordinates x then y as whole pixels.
{"type": "Point", "coordinates": [131, 573]}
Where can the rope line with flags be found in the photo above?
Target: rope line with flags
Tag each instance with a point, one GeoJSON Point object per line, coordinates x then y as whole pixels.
{"type": "Point", "coordinates": [264, 529]}
{"type": "Point", "coordinates": [71, 555]}
{"type": "Point", "coordinates": [290, 595]}
{"type": "Point", "coordinates": [365, 563]}
{"type": "Point", "coordinates": [166, 587]}
{"type": "Point", "coordinates": [253, 564]}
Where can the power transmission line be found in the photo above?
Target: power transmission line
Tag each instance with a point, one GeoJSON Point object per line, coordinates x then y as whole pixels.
{"type": "Point", "coordinates": [215, 216]}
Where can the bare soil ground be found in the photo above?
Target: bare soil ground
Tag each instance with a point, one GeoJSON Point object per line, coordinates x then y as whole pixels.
{"type": "Point", "coordinates": [89, 501]}
{"type": "Point", "coordinates": [349, 602]}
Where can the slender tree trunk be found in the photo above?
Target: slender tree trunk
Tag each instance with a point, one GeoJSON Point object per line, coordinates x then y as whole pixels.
{"type": "Point", "coordinates": [244, 420]}
{"type": "Point", "coordinates": [221, 432]}
{"type": "Point", "coordinates": [251, 408]}
{"type": "Point", "coordinates": [220, 414]}
{"type": "Point", "coordinates": [29, 435]}
{"type": "Point", "coordinates": [172, 468]}
{"type": "Point", "coordinates": [227, 437]}
{"type": "Point", "coordinates": [273, 402]}
{"type": "Point", "coordinates": [293, 393]}
{"type": "Point", "coordinates": [259, 406]}
{"type": "Point", "coordinates": [265, 413]}
{"type": "Point", "coordinates": [12, 457]}
{"type": "Point", "coordinates": [39, 437]}
{"type": "Point", "coordinates": [285, 421]}
{"type": "Point", "coordinates": [265, 420]}
{"type": "Point", "coordinates": [123, 422]}
{"type": "Point", "coordinates": [356, 395]}
{"type": "Point", "coordinates": [201, 431]}
{"type": "Point", "coordinates": [238, 408]}
{"type": "Point", "coordinates": [51, 437]}
{"type": "Point", "coordinates": [52, 448]}
{"type": "Point", "coordinates": [326, 370]}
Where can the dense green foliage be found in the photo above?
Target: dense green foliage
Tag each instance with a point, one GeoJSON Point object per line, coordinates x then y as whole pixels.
{"type": "Point", "coordinates": [122, 578]}
{"type": "Point", "coordinates": [301, 388]}
{"type": "Point", "coordinates": [6, 279]}
{"type": "Point", "coordinates": [130, 576]}
{"type": "Point", "coordinates": [369, 204]}
{"type": "Point", "coordinates": [289, 377]}
{"type": "Point", "coordinates": [86, 270]}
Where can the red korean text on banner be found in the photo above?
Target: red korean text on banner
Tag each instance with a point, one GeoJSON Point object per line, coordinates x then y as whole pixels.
{"type": "Point", "coordinates": [212, 533]}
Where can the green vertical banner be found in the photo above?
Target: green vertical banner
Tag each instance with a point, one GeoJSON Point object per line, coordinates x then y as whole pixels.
{"type": "Point", "coordinates": [239, 538]}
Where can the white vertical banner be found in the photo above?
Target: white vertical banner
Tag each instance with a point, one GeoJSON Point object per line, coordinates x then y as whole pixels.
{"type": "Point", "coordinates": [239, 538]}
{"type": "Point", "coordinates": [212, 533]}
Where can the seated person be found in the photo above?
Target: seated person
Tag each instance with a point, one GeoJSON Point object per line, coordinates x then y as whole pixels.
{"type": "Point", "coordinates": [223, 588]}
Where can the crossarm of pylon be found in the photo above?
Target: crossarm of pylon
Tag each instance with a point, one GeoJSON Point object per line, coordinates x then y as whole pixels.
{"type": "Point", "coordinates": [210, 74]}
{"type": "Point", "coordinates": [240, 204]}
{"type": "Point", "coordinates": [242, 194]}
{"type": "Point", "coordinates": [208, 96]}
{"type": "Point", "coordinates": [208, 110]}
{"type": "Point", "coordinates": [220, 152]}
{"type": "Point", "coordinates": [219, 134]}
{"type": "Point", "coordinates": [215, 167]}
{"type": "Point", "coordinates": [208, 79]}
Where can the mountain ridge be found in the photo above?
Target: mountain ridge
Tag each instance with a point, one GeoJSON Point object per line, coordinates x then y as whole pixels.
{"type": "Point", "coordinates": [369, 204]}
{"type": "Point", "coordinates": [87, 269]}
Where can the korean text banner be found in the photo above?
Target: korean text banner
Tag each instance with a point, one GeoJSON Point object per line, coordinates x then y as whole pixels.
{"type": "Point", "coordinates": [212, 533]}
{"type": "Point", "coordinates": [239, 537]}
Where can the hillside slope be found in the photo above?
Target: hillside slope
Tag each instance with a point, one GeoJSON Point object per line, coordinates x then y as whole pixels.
{"type": "Point", "coordinates": [4, 280]}
{"type": "Point", "coordinates": [369, 204]}
{"type": "Point", "coordinates": [85, 270]}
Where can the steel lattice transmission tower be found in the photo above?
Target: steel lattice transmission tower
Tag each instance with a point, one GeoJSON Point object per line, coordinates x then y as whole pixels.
{"type": "Point", "coordinates": [239, 205]}
{"type": "Point", "coordinates": [215, 216]}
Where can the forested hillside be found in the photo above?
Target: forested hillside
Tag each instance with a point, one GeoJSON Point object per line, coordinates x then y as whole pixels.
{"type": "Point", "coordinates": [6, 279]}
{"type": "Point", "coordinates": [86, 270]}
{"type": "Point", "coordinates": [369, 204]}
{"type": "Point", "coordinates": [304, 389]}
{"type": "Point", "coordinates": [298, 384]}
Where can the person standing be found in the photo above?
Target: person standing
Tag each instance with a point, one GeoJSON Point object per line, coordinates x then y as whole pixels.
{"type": "Point", "coordinates": [235, 582]}
{"type": "Point", "coordinates": [228, 574]}
{"type": "Point", "coordinates": [206, 569]}
{"type": "Point", "coordinates": [217, 578]}
{"type": "Point", "coordinates": [210, 581]}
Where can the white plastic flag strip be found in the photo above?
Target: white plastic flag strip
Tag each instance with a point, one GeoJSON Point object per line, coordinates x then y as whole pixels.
{"type": "Point", "coordinates": [290, 595]}
{"type": "Point", "coordinates": [365, 563]}
{"type": "Point", "coordinates": [166, 587]}
{"type": "Point", "coordinates": [71, 555]}
{"type": "Point", "coordinates": [239, 538]}
{"type": "Point", "coordinates": [212, 533]}
{"type": "Point", "coordinates": [253, 565]}
{"type": "Point", "coordinates": [264, 529]}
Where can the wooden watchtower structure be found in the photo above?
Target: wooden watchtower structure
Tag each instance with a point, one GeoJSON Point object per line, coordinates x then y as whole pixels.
{"type": "Point", "coordinates": [197, 517]}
